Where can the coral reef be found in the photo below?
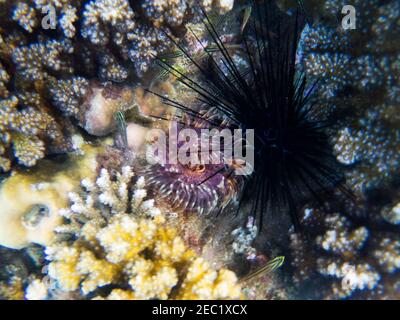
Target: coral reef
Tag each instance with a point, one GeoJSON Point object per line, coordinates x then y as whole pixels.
{"type": "Point", "coordinates": [114, 246]}
{"type": "Point", "coordinates": [12, 289]}
{"type": "Point", "coordinates": [51, 50]}
{"type": "Point", "coordinates": [29, 126]}
{"type": "Point", "coordinates": [352, 250]}
{"type": "Point", "coordinates": [25, 133]}
{"type": "Point", "coordinates": [133, 30]}
{"type": "Point", "coordinates": [244, 238]}
{"type": "Point", "coordinates": [359, 76]}
{"type": "Point", "coordinates": [115, 237]}
{"type": "Point", "coordinates": [92, 104]}
{"type": "Point", "coordinates": [31, 199]}
{"type": "Point", "coordinates": [349, 259]}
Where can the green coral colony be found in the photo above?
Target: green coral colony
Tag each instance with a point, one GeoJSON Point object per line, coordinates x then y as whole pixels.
{"type": "Point", "coordinates": [83, 216]}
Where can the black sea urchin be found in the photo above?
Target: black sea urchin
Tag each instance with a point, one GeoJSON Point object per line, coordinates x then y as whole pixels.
{"type": "Point", "coordinates": [293, 157]}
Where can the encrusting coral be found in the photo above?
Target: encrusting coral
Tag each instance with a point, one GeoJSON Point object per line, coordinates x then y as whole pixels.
{"type": "Point", "coordinates": [30, 200]}
{"type": "Point", "coordinates": [117, 246]}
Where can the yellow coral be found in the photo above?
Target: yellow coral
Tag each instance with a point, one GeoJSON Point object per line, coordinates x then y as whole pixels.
{"type": "Point", "coordinates": [23, 194]}
{"type": "Point", "coordinates": [141, 253]}
{"type": "Point", "coordinates": [127, 243]}
{"type": "Point", "coordinates": [152, 279]}
{"type": "Point", "coordinates": [64, 268]}
{"type": "Point", "coordinates": [119, 294]}
{"type": "Point", "coordinates": [98, 272]}
{"type": "Point", "coordinates": [12, 290]}
{"type": "Point", "coordinates": [202, 282]}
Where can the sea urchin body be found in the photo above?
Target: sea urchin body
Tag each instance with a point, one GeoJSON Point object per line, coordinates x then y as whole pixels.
{"type": "Point", "coordinates": [293, 157]}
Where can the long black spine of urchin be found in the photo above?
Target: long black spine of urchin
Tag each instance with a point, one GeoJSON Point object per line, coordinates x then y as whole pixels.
{"type": "Point", "coordinates": [294, 160]}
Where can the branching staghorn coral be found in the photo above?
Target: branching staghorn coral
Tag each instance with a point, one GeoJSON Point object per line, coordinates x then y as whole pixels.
{"type": "Point", "coordinates": [359, 76]}
{"type": "Point", "coordinates": [134, 29]}
{"type": "Point", "coordinates": [38, 60]}
{"type": "Point", "coordinates": [29, 128]}
{"type": "Point", "coordinates": [67, 95]}
{"type": "Point", "coordinates": [117, 245]}
{"type": "Point", "coordinates": [25, 16]}
{"type": "Point", "coordinates": [348, 260]}
{"type": "Point", "coordinates": [358, 72]}
{"type": "Point", "coordinates": [57, 61]}
{"type": "Point", "coordinates": [25, 134]}
{"type": "Point", "coordinates": [41, 103]}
